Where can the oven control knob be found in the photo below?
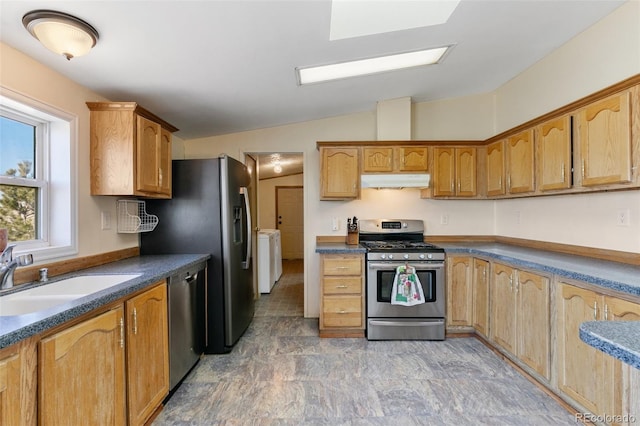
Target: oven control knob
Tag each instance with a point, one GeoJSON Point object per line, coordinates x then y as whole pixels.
{"type": "Point", "coordinates": [383, 256]}
{"type": "Point", "coordinates": [406, 256]}
{"type": "Point", "coordinates": [430, 256]}
{"type": "Point", "coordinates": [421, 256]}
{"type": "Point", "coordinates": [390, 256]}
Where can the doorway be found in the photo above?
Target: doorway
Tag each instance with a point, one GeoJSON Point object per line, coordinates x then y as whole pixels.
{"type": "Point", "coordinates": [280, 192]}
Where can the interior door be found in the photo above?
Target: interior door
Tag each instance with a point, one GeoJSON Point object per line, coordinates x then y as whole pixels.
{"type": "Point", "coordinates": [290, 220]}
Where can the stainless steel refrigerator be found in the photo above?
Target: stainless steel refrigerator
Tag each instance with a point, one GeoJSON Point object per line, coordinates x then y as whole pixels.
{"type": "Point", "coordinates": [209, 212]}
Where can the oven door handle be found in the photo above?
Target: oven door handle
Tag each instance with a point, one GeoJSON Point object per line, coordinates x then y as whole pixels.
{"type": "Point", "coordinates": [393, 265]}
{"type": "Point", "coordinates": [405, 323]}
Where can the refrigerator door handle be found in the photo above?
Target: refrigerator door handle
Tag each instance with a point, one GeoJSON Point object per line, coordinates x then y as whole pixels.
{"type": "Point", "coordinates": [246, 264]}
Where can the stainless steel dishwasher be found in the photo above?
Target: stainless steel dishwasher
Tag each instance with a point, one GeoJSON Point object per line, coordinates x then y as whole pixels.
{"type": "Point", "coordinates": [186, 321]}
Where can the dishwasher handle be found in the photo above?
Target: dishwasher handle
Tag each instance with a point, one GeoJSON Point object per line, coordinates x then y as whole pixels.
{"type": "Point", "coordinates": [191, 278]}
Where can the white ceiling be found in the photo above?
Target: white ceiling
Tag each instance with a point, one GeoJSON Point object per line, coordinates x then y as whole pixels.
{"type": "Point", "coordinates": [215, 67]}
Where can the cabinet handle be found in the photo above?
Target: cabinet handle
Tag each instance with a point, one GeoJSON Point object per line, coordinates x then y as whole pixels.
{"type": "Point", "coordinates": [517, 284]}
{"type": "Point", "coordinates": [606, 312]}
{"type": "Point", "coordinates": [595, 310]}
{"type": "Point", "coordinates": [458, 187]}
{"type": "Point", "coordinates": [341, 286]}
{"type": "Point", "coordinates": [342, 312]}
{"type": "Point", "coordinates": [135, 321]}
{"type": "Point", "coordinates": [342, 267]}
{"type": "Point", "coordinates": [452, 186]}
{"type": "Point", "coordinates": [562, 171]}
{"type": "Point", "coordinates": [159, 176]}
{"type": "Point", "coordinates": [509, 181]}
{"type": "Point", "coordinates": [583, 168]}
{"type": "Point", "coordinates": [121, 332]}
{"type": "Point", "coordinates": [511, 282]}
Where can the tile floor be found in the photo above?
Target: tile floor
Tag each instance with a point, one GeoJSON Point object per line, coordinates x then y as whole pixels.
{"type": "Point", "coordinates": [282, 373]}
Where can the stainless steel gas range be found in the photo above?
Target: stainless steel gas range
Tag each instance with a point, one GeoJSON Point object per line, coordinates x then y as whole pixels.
{"type": "Point", "coordinates": [391, 243]}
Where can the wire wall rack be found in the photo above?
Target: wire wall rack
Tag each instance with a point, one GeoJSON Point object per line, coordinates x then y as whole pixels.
{"type": "Point", "coordinates": [133, 217]}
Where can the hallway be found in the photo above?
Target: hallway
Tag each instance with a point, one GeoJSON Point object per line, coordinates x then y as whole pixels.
{"type": "Point", "coordinates": [282, 373]}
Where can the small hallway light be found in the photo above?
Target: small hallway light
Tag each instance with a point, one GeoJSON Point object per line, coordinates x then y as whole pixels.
{"type": "Point", "coordinates": [61, 33]}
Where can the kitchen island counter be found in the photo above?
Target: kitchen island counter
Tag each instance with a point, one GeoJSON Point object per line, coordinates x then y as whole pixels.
{"type": "Point", "coordinates": [152, 269]}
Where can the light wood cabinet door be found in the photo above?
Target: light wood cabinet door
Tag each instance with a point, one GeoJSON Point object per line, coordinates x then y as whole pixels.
{"type": "Point", "coordinates": [377, 160]}
{"type": "Point", "coordinates": [503, 327]}
{"type": "Point", "coordinates": [481, 296]}
{"type": "Point", "coordinates": [554, 154]}
{"type": "Point", "coordinates": [454, 173]}
{"type": "Point", "coordinates": [164, 167]}
{"type": "Point", "coordinates": [82, 373]}
{"type": "Point", "coordinates": [466, 172]}
{"type": "Point", "coordinates": [340, 173]}
{"type": "Point", "coordinates": [581, 369]}
{"type": "Point", "coordinates": [147, 353]}
{"type": "Point", "coordinates": [147, 156]}
{"type": "Point", "coordinates": [604, 138]}
{"type": "Point", "coordinates": [533, 321]}
{"type": "Point", "coordinates": [495, 169]}
{"type": "Point", "coordinates": [412, 159]}
{"type": "Point", "coordinates": [18, 384]}
{"type": "Point", "coordinates": [520, 167]}
{"type": "Point", "coordinates": [459, 291]}
{"type": "Point", "coordinates": [444, 172]}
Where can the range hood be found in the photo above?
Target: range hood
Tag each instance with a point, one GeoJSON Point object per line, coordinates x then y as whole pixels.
{"type": "Point", "coordinates": [396, 180]}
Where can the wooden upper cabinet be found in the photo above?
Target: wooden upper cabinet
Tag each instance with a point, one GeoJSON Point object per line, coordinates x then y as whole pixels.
{"type": "Point", "coordinates": [603, 134]}
{"type": "Point", "coordinates": [339, 173]}
{"type": "Point", "coordinates": [495, 168]}
{"type": "Point", "coordinates": [130, 151]}
{"type": "Point", "coordinates": [519, 158]}
{"type": "Point", "coordinates": [388, 159]}
{"type": "Point", "coordinates": [412, 159]}
{"type": "Point", "coordinates": [377, 160]}
{"type": "Point", "coordinates": [554, 154]}
{"type": "Point", "coordinates": [454, 172]}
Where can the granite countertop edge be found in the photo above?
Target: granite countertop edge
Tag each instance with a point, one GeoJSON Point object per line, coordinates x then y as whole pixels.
{"type": "Point", "coordinates": [151, 267]}
{"type": "Point", "coordinates": [615, 338]}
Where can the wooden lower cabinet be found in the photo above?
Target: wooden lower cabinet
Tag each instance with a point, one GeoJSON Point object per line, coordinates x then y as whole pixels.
{"type": "Point", "coordinates": [588, 376]}
{"type": "Point", "coordinates": [147, 354]}
{"type": "Point", "coordinates": [520, 317]}
{"type": "Point", "coordinates": [342, 297]}
{"type": "Point", "coordinates": [82, 373]}
{"type": "Point", "coordinates": [459, 291]}
{"type": "Point", "coordinates": [481, 296]}
{"type": "Point", "coordinates": [110, 369]}
{"type": "Point", "coordinates": [18, 383]}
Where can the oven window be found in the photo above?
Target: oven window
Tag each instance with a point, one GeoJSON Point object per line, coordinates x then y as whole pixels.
{"type": "Point", "coordinates": [385, 285]}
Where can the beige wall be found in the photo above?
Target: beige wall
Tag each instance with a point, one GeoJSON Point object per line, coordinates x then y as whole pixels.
{"type": "Point", "coordinates": [30, 78]}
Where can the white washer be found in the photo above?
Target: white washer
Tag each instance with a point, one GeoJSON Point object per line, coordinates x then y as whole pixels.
{"type": "Point", "coordinates": [265, 249]}
{"type": "Point", "coordinates": [276, 257]}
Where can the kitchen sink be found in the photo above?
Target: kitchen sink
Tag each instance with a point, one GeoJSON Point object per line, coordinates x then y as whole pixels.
{"type": "Point", "coordinates": [57, 293]}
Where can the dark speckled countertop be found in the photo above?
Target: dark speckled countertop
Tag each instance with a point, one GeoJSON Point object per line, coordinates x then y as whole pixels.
{"type": "Point", "coordinates": [152, 269]}
{"type": "Point", "coordinates": [339, 248]}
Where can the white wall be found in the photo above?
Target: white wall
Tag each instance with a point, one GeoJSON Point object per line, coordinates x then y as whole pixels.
{"type": "Point", "coordinates": [584, 65]}
{"type": "Point", "coordinates": [22, 74]}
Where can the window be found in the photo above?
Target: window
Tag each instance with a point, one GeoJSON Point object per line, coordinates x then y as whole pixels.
{"type": "Point", "coordinates": [37, 201]}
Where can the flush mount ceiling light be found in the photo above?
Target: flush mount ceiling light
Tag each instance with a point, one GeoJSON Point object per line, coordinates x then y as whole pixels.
{"type": "Point", "coordinates": [370, 66]}
{"type": "Point", "coordinates": [61, 33]}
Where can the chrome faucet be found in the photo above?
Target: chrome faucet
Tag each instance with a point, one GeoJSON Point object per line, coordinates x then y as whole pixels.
{"type": "Point", "coordinates": [8, 266]}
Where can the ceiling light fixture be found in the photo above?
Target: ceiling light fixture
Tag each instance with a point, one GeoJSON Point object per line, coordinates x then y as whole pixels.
{"type": "Point", "coordinates": [370, 66]}
{"type": "Point", "coordinates": [61, 33]}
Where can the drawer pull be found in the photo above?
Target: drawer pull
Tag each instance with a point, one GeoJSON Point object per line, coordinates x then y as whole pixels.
{"type": "Point", "coordinates": [342, 312]}
{"type": "Point", "coordinates": [341, 286]}
{"type": "Point", "coordinates": [342, 267]}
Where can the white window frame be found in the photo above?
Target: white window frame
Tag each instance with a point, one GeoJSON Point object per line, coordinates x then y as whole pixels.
{"type": "Point", "coordinates": [56, 136]}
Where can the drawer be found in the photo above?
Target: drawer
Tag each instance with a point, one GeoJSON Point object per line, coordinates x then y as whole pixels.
{"type": "Point", "coordinates": [342, 311]}
{"type": "Point", "coordinates": [342, 265]}
{"type": "Point", "coordinates": [342, 285]}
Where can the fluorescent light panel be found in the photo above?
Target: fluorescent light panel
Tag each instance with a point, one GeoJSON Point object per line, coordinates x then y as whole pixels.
{"type": "Point", "coordinates": [370, 66]}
